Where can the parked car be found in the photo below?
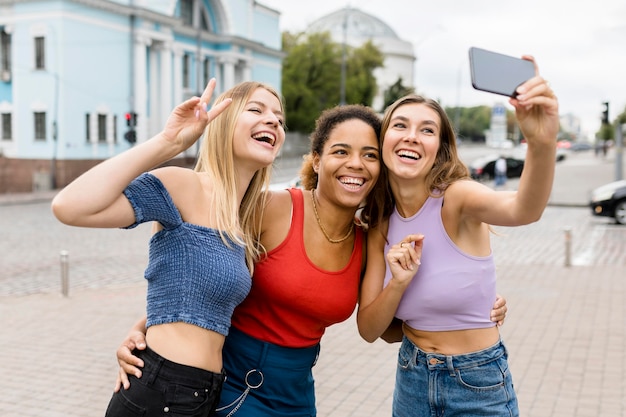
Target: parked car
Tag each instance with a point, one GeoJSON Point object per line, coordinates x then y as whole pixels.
{"type": "Point", "coordinates": [483, 168]}
{"type": "Point", "coordinates": [580, 146]}
{"type": "Point", "coordinates": [563, 144]}
{"type": "Point", "coordinates": [520, 152]}
{"type": "Point", "coordinates": [609, 200]}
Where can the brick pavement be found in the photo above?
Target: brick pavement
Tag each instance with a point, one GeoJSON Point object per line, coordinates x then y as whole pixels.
{"type": "Point", "coordinates": [565, 329]}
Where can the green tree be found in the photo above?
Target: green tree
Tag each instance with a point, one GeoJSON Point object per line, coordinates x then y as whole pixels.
{"type": "Point", "coordinates": [605, 132]}
{"type": "Point", "coordinates": [311, 80]}
{"type": "Point", "coordinates": [394, 92]}
{"type": "Point", "coordinates": [471, 122]}
{"type": "Point", "coordinates": [361, 84]}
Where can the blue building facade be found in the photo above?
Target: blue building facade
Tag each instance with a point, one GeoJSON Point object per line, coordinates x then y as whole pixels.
{"type": "Point", "coordinates": [80, 80]}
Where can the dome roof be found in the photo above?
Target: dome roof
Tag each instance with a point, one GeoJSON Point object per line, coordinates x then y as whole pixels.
{"type": "Point", "coordinates": [358, 25]}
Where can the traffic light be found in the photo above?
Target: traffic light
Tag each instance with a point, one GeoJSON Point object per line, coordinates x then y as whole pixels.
{"type": "Point", "coordinates": [131, 123]}
{"type": "Point", "coordinates": [605, 113]}
{"type": "Point", "coordinates": [131, 136]}
{"type": "Point", "coordinates": [131, 119]}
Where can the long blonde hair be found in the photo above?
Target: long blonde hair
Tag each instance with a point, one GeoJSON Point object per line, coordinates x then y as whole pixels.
{"type": "Point", "coordinates": [241, 223]}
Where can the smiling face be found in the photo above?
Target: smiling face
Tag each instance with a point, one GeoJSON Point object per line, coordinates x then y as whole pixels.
{"type": "Point", "coordinates": [350, 162]}
{"type": "Point", "coordinates": [259, 130]}
{"type": "Point", "coordinates": [418, 148]}
{"type": "Point", "coordinates": [411, 141]}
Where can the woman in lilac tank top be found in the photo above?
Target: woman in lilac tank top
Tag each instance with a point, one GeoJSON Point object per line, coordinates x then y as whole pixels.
{"type": "Point", "coordinates": [429, 261]}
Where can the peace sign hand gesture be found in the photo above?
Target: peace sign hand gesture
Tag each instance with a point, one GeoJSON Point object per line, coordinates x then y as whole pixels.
{"type": "Point", "coordinates": [188, 120]}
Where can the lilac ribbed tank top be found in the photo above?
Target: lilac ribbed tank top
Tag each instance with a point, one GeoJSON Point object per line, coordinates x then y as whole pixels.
{"type": "Point", "coordinates": [451, 289]}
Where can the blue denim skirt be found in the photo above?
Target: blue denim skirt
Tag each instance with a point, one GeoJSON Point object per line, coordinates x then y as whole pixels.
{"type": "Point", "coordinates": [167, 388]}
{"type": "Point", "coordinates": [264, 379]}
{"type": "Point", "coordinates": [467, 385]}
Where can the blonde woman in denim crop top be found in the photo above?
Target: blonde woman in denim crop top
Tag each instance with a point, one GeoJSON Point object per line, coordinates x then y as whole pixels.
{"type": "Point", "coordinates": [429, 258]}
{"type": "Point", "coordinates": [203, 252]}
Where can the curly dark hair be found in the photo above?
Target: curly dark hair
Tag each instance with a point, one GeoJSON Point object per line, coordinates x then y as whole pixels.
{"type": "Point", "coordinates": [324, 126]}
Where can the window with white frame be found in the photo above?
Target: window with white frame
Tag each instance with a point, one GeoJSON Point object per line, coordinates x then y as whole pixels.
{"type": "Point", "coordinates": [40, 52]}
{"type": "Point", "coordinates": [5, 52]}
{"type": "Point", "coordinates": [7, 129]}
{"type": "Point", "coordinates": [186, 71]}
{"type": "Point", "coordinates": [88, 127]}
{"type": "Point", "coordinates": [186, 12]}
{"type": "Point", "coordinates": [115, 128]}
{"type": "Point", "coordinates": [40, 126]}
{"type": "Point", "coordinates": [203, 20]}
{"type": "Point", "coordinates": [206, 72]}
{"type": "Point", "coordinates": [102, 128]}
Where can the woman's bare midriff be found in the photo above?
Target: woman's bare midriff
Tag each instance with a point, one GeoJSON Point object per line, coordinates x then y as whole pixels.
{"type": "Point", "coordinates": [187, 344]}
{"type": "Point", "coordinates": [453, 342]}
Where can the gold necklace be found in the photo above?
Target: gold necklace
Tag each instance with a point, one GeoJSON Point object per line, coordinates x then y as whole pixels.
{"type": "Point", "coordinates": [319, 222]}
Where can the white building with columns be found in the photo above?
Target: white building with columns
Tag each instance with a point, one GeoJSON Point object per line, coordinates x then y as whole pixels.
{"type": "Point", "coordinates": [72, 70]}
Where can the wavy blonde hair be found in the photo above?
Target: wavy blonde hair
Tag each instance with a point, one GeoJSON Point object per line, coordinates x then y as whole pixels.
{"type": "Point", "coordinates": [241, 223]}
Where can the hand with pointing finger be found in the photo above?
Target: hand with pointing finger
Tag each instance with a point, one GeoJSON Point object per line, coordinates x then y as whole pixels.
{"type": "Point", "coordinates": [404, 258]}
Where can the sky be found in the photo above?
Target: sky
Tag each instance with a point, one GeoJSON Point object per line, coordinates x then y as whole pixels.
{"type": "Point", "coordinates": [579, 45]}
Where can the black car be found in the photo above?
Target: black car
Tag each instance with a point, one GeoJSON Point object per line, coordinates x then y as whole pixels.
{"type": "Point", "coordinates": [609, 200]}
{"type": "Point", "coordinates": [483, 168]}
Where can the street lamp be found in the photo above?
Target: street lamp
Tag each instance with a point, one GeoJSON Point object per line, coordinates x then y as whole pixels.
{"type": "Point", "coordinates": [344, 27]}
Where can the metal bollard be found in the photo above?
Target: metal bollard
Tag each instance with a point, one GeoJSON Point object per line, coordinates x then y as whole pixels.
{"type": "Point", "coordinates": [568, 246]}
{"type": "Point", "coordinates": [65, 272]}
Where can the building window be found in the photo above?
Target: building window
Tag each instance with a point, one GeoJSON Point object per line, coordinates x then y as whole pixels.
{"type": "Point", "coordinates": [205, 72]}
{"type": "Point", "coordinates": [186, 12]}
{"type": "Point", "coordinates": [186, 71]}
{"type": "Point", "coordinates": [40, 53]}
{"type": "Point", "coordinates": [5, 52]}
{"type": "Point", "coordinates": [87, 129]}
{"type": "Point", "coordinates": [102, 128]}
{"type": "Point", "coordinates": [203, 23]}
{"type": "Point", "coordinates": [40, 126]}
{"type": "Point", "coordinates": [115, 128]}
{"type": "Point", "coordinates": [5, 122]}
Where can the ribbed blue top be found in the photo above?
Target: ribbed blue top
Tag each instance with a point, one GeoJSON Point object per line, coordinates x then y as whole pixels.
{"type": "Point", "coordinates": [193, 277]}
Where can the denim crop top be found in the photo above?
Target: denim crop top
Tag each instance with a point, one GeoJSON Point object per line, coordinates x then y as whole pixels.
{"type": "Point", "coordinates": [193, 277]}
{"type": "Point", "coordinates": [451, 289]}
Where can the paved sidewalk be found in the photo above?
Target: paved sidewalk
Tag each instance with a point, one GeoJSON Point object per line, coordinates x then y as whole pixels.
{"type": "Point", "coordinates": [565, 331]}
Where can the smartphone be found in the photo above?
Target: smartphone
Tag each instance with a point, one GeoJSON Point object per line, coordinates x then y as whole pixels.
{"type": "Point", "coordinates": [497, 73]}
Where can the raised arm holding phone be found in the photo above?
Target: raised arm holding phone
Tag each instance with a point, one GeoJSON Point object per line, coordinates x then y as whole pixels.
{"type": "Point", "coordinates": [430, 262]}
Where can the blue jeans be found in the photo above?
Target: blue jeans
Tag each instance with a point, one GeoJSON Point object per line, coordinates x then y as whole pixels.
{"type": "Point", "coordinates": [167, 388]}
{"type": "Point", "coordinates": [472, 384]}
{"type": "Point", "coordinates": [266, 380]}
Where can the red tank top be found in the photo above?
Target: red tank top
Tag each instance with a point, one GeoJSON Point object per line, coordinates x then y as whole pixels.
{"type": "Point", "coordinates": [292, 301]}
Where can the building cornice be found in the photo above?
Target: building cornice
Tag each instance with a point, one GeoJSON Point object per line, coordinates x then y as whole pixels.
{"type": "Point", "coordinates": [174, 22]}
